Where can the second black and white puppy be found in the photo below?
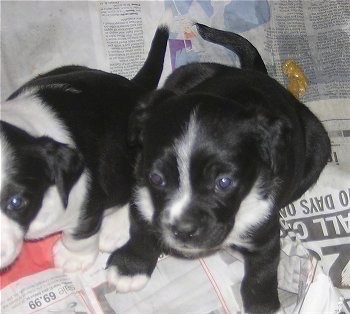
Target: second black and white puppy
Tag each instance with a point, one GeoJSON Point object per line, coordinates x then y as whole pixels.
{"type": "Point", "coordinates": [65, 161]}
{"type": "Point", "coordinates": [222, 150]}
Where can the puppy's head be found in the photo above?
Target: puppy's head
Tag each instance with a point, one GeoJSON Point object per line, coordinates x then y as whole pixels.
{"type": "Point", "coordinates": [201, 170]}
{"type": "Point", "coordinates": [31, 167]}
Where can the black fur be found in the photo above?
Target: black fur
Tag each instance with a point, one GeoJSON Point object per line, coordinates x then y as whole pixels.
{"type": "Point", "coordinates": [40, 162]}
{"type": "Point", "coordinates": [94, 107]}
{"type": "Point", "coordinates": [252, 131]}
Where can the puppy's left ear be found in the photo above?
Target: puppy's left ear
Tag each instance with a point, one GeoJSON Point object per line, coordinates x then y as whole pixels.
{"type": "Point", "coordinates": [274, 134]}
{"type": "Point", "coordinates": [64, 163]}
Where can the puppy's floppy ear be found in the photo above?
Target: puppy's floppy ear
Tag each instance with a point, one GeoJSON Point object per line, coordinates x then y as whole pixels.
{"type": "Point", "coordinates": [274, 137]}
{"type": "Point", "coordinates": [60, 164]}
{"type": "Point", "coordinates": [64, 163]}
{"type": "Point", "coordinates": [141, 114]}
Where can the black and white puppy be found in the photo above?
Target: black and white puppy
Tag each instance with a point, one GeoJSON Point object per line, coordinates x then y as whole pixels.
{"type": "Point", "coordinates": [222, 150]}
{"type": "Point", "coordinates": [65, 161]}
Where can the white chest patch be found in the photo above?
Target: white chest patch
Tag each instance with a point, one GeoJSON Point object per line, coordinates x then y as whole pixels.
{"type": "Point", "coordinates": [114, 229]}
{"type": "Point", "coordinates": [183, 148]}
{"type": "Point", "coordinates": [252, 212]}
{"type": "Point", "coordinates": [52, 216]}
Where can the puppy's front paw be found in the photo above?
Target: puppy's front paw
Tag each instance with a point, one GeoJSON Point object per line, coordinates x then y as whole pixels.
{"type": "Point", "coordinates": [129, 269]}
{"type": "Point", "coordinates": [125, 283]}
{"type": "Point", "coordinates": [71, 261]}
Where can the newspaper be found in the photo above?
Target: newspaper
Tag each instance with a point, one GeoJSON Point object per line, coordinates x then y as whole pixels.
{"type": "Point", "coordinates": [206, 285]}
{"type": "Point", "coordinates": [314, 272]}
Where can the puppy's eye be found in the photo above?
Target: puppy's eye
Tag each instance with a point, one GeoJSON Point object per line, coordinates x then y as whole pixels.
{"type": "Point", "coordinates": [156, 179]}
{"type": "Point", "coordinates": [224, 183]}
{"type": "Point", "coordinates": [16, 202]}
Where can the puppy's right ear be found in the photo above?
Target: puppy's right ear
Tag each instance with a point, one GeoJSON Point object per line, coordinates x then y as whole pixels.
{"type": "Point", "coordinates": [141, 114]}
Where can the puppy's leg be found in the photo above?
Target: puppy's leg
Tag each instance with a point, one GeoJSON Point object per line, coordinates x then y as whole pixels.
{"type": "Point", "coordinates": [72, 254]}
{"type": "Point", "coordinates": [259, 285]}
{"type": "Point", "coordinates": [115, 229]}
{"type": "Point", "coordinates": [131, 266]}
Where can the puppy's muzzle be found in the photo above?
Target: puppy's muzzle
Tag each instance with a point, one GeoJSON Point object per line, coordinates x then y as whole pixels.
{"type": "Point", "coordinates": [190, 229]}
{"type": "Point", "coordinates": [11, 241]}
{"type": "Point", "coordinates": [185, 230]}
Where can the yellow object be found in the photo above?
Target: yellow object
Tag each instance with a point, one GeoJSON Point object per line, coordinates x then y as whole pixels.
{"type": "Point", "coordinates": [297, 81]}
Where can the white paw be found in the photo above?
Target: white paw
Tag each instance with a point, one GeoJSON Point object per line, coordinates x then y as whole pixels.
{"type": "Point", "coordinates": [71, 261]}
{"type": "Point", "coordinates": [114, 232]}
{"type": "Point", "coordinates": [124, 284]}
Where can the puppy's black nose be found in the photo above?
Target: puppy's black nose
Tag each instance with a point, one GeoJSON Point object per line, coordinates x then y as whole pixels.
{"type": "Point", "coordinates": [185, 231]}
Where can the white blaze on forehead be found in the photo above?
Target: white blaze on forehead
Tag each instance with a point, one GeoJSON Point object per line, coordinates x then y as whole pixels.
{"type": "Point", "coordinates": [183, 149]}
